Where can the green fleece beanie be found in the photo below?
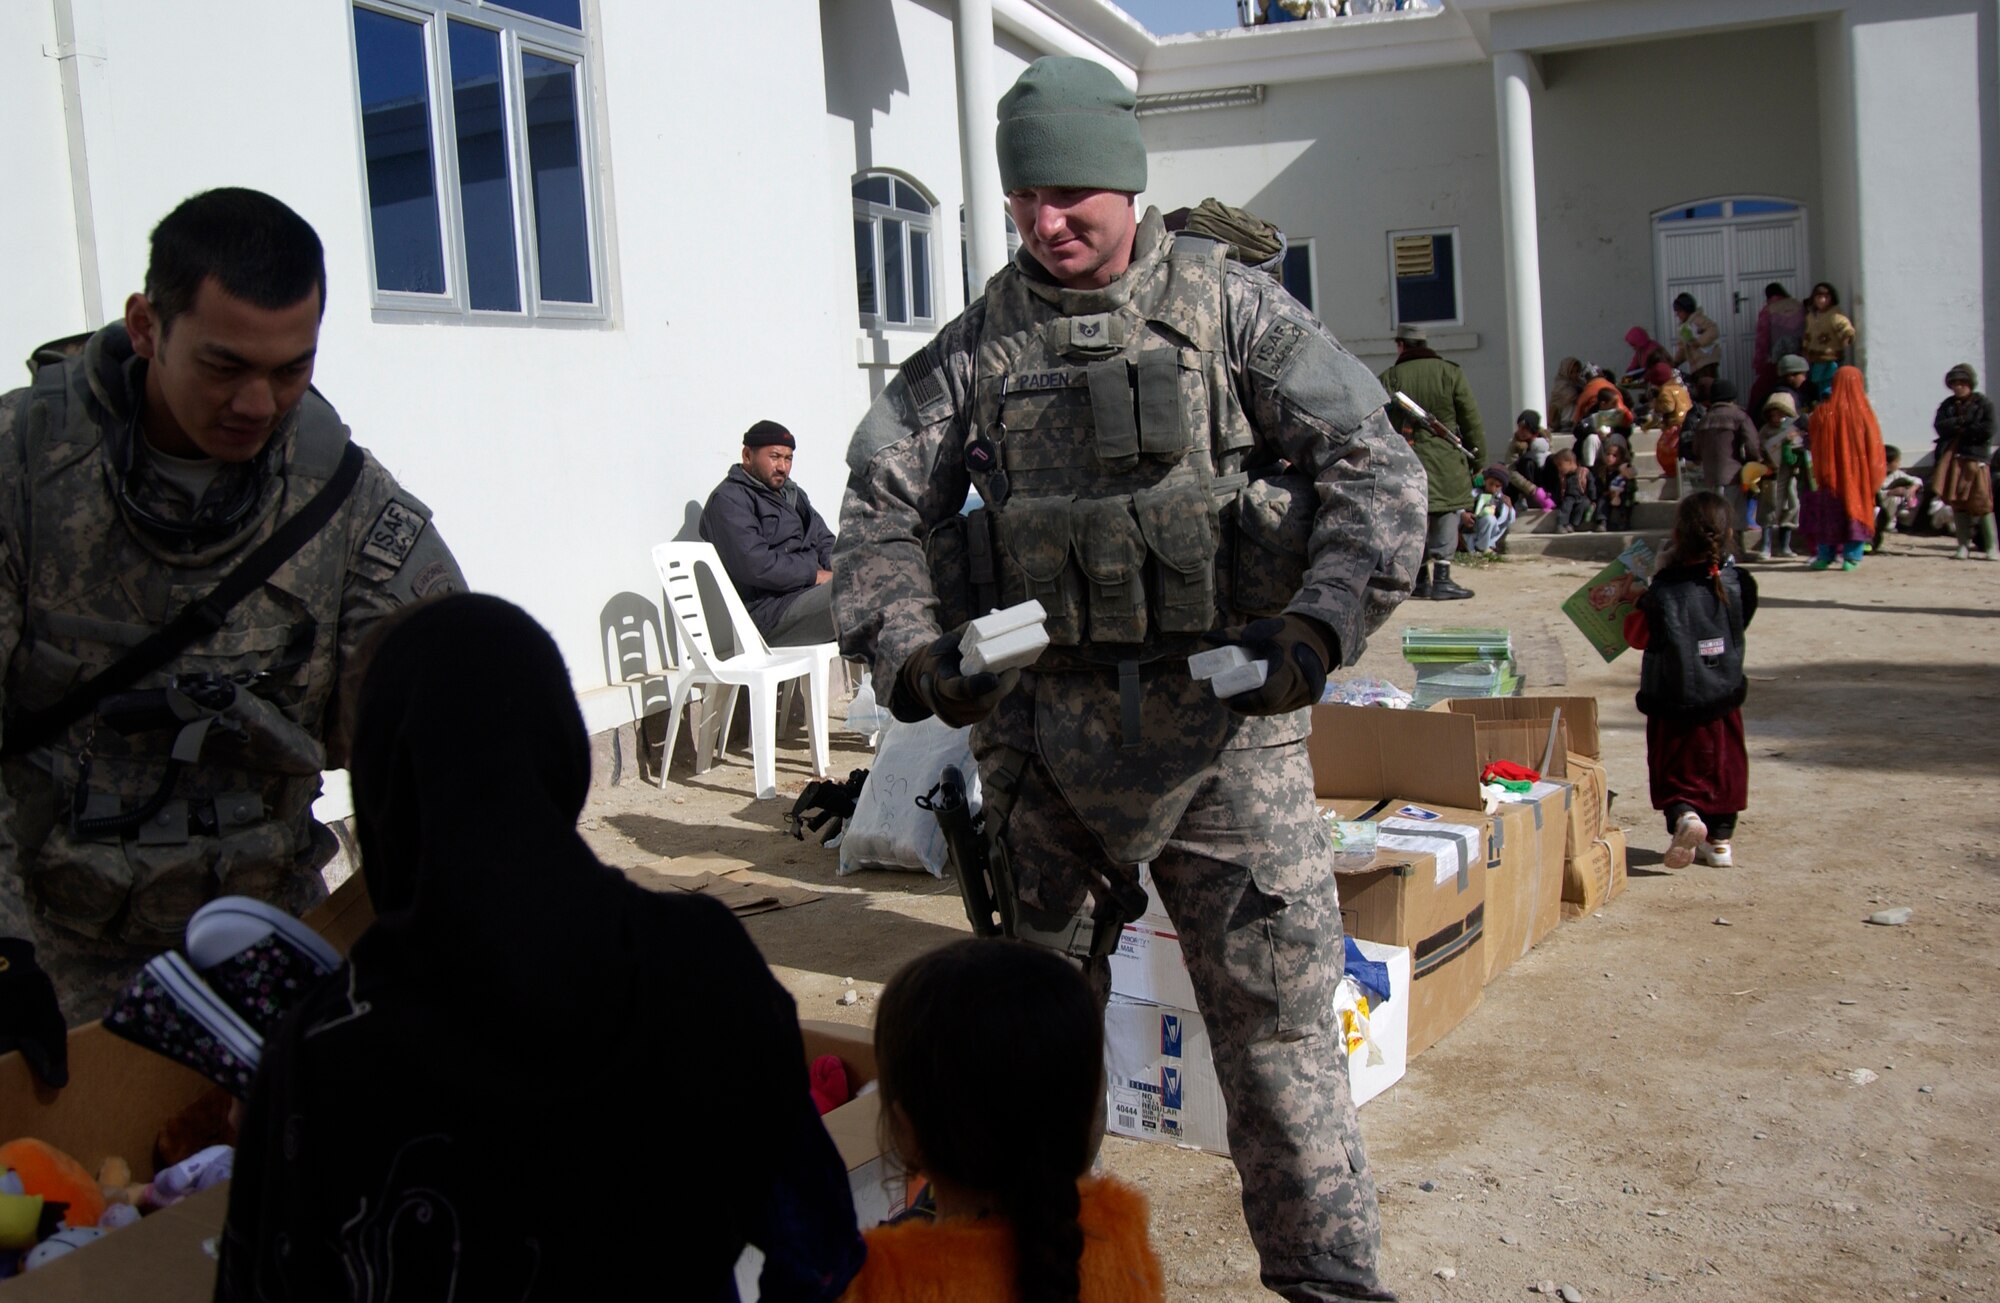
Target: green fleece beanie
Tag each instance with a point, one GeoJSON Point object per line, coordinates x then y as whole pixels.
{"type": "Point", "coordinates": [1070, 122]}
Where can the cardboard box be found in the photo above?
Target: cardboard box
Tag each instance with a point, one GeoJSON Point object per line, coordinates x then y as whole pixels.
{"type": "Point", "coordinates": [1159, 1077]}
{"type": "Point", "coordinates": [1384, 761]}
{"type": "Point", "coordinates": [118, 1096]}
{"type": "Point", "coordinates": [1579, 717]}
{"type": "Point", "coordinates": [1148, 966]}
{"type": "Point", "coordinates": [1419, 896]}
{"type": "Point", "coordinates": [1550, 804]}
{"type": "Point", "coordinates": [1588, 804]}
{"type": "Point", "coordinates": [1595, 878]}
{"type": "Point", "coordinates": [1520, 886]}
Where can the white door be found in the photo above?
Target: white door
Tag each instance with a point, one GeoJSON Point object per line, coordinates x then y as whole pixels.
{"type": "Point", "coordinates": [1724, 252]}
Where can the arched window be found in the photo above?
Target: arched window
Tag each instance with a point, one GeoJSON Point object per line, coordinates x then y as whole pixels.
{"type": "Point", "coordinates": [894, 231]}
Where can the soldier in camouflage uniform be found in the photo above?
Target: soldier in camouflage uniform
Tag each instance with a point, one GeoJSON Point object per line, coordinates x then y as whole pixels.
{"type": "Point", "coordinates": [1174, 453]}
{"type": "Point", "coordinates": [141, 471]}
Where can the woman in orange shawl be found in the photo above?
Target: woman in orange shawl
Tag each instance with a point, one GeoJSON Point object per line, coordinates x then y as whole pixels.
{"type": "Point", "coordinates": [1587, 403]}
{"type": "Point", "coordinates": [1838, 513]}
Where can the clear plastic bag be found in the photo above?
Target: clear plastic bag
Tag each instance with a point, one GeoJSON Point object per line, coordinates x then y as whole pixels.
{"type": "Point", "coordinates": [864, 713]}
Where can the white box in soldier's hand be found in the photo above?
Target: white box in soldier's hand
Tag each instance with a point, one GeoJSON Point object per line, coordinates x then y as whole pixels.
{"type": "Point", "coordinates": [1008, 651]}
{"type": "Point", "coordinates": [1229, 670]}
{"type": "Point", "coordinates": [1004, 639]}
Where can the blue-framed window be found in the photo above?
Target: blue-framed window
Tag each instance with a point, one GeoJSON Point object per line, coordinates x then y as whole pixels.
{"type": "Point", "coordinates": [477, 143]}
{"type": "Point", "coordinates": [1423, 266]}
{"type": "Point", "coordinates": [1296, 272]}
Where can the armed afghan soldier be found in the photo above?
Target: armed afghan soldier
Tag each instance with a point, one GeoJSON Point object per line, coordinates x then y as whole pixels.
{"type": "Point", "coordinates": [1173, 454]}
{"type": "Point", "coordinates": [190, 550]}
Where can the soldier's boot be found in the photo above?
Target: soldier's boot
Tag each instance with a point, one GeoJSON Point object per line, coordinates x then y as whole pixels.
{"type": "Point", "coordinates": [1442, 589]}
{"type": "Point", "coordinates": [1422, 591]}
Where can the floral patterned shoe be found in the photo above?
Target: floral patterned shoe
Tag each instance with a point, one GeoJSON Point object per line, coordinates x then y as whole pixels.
{"type": "Point", "coordinates": [257, 958]}
{"type": "Point", "coordinates": [168, 1009]}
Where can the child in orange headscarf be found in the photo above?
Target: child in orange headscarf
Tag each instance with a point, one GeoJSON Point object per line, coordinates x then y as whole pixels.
{"type": "Point", "coordinates": [1838, 513]}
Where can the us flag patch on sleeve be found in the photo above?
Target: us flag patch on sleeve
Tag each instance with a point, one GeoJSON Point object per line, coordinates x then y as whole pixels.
{"type": "Point", "coordinates": [393, 534]}
{"type": "Point", "coordinates": [923, 377]}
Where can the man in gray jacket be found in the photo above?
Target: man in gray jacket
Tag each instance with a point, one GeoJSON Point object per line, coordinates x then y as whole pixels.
{"type": "Point", "coordinates": [776, 548]}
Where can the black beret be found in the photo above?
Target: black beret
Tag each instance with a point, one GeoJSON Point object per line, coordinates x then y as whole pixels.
{"type": "Point", "coordinates": [765, 433]}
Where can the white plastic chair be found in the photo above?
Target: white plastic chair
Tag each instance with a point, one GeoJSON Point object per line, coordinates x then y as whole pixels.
{"type": "Point", "coordinates": [755, 667]}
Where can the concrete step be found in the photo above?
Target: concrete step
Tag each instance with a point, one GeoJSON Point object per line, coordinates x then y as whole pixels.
{"type": "Point", "coordinates": [1579, 547]}
{"type": "Point", "coordinates": [1645, 516]}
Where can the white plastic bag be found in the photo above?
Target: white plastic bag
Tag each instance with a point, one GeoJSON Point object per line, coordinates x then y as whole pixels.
{"type": "Point", "coordinates": [889, 829]}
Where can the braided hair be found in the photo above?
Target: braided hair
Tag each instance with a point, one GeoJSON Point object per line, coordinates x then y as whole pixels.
{"type": "Point", "coordinates": [993, 1053]}
{"type": "Point", "coordinates": [1701, 535]}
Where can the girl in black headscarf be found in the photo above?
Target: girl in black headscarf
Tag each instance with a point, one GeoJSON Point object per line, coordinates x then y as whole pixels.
{"type": "Point", "coordinates": [534, 1078]}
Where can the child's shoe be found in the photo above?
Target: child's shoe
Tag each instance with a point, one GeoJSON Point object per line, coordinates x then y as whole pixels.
{"type": "Point", "coordinates": [1715, 854]}
{"type": "Point", "coordinates": [256, 957]}
{"type": "Point", "coordinates": [1850, 565]}
{"type": "Point", "coordinates": [168, 1009]}
{"type": "Point", "coordinates": [1819, 563]}
{"type": "Point", "coordinates": [1689, 833]}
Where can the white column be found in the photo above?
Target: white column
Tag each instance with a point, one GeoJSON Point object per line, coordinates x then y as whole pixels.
{"type": "Point", "coordinates": [1520, 234]}
{"type": "Point", "coordinates": [985, 235]}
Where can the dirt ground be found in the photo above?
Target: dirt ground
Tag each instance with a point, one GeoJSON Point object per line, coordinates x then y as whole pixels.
{"type": "Point", "coordinates": [1656, 1101]}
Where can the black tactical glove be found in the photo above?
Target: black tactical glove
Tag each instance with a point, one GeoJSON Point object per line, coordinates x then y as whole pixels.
{"type": "Point", "coordinates": [30, 1019]}
{"type": "Point", "coordinates": [932, 682]}
{"type": "Point", "coordinates": [1299, 651]}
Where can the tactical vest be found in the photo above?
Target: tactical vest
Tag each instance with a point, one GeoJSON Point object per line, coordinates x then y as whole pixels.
{"type": "Point", "coordinates": [1694, 660]}
{"type": "Point", "coordinates": [1110, 448]}
{"type": "Point", "coordinates": [223, 782]}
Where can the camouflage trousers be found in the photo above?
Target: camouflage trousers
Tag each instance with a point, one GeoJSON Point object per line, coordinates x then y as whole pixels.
{"type": "Point", "coordinates": [1248, 879]}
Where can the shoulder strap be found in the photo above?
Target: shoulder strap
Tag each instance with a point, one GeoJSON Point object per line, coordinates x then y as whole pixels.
{"type": "Point", "coordinates": [197, 621]}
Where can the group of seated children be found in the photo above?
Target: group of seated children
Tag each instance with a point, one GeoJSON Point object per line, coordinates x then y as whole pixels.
{"type": "Point", "coordinates": [1588, 485]}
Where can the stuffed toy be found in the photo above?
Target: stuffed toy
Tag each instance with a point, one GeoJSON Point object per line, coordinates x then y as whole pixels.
{"type": "Point", "coordinates": [54, 1175]}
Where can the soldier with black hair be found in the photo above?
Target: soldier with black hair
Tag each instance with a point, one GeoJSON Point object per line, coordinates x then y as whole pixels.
{"type": "Point", "coordinates": [190, 550]}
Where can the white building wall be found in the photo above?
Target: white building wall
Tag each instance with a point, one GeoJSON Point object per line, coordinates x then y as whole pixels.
{"type": "Point", "coordinates": [553, 458]}
{"type": "Point", "coordinates": [37, 224]}
{"type": "Point", "coordinates": [1343, 162]}
{"type": "Point", "coordinates": [1926, 154]}
{"type": "Point", "coordinates": [1606, 161]}
{"type": "Point", "coordinates": [892, 99]}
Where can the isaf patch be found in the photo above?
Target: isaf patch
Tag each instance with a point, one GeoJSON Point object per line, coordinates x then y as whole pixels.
{"type": "Point", "coordinates": [1276, 348]}
{"type": "Point", "coordinates": [393, 535]}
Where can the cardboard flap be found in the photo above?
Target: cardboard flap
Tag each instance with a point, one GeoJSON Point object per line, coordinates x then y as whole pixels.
{"type": "Point", "coordinates": [1579, 716]}
{"type": "Point", "coordinates": [853, 1046]}
{"type": "Point", "coordinates": [1417, 755]}
{"type": "Point", "coordinates": [1525, 742]}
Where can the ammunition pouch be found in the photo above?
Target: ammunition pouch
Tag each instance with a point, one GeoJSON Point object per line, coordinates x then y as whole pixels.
{"type": "Point", "coordinates": [964, 573]}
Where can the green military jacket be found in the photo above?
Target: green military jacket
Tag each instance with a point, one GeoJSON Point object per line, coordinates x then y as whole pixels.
{"type": "Point", "coordinates": [1439, 388]}
{"type": "Point", "coordinates": [1264, 391]}
{"type": "Point", "coordinates": [89, 566]}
